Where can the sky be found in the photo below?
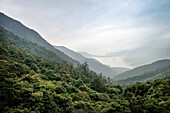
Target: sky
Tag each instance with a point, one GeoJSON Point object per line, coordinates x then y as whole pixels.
{"type": "Point", "coordinates": [99, 27]}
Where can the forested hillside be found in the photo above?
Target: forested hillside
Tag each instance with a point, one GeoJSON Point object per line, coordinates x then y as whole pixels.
{"type": "Point", "coordinates": [37, 78]}
{"type": "Point", "coordinates": [22, 31]}
{"type": "Point", "coordinates": [149, 76]}
{"type": "Point", "coordinates": [30, 83]}
{"type": "Point", "coordinates": [143, 69]}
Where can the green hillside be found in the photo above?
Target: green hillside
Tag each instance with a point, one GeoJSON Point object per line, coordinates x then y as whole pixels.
{"type": "Point", "coordinates": [149, 76]}
{"type": "Point", "coordinates": [143, 69]}
{"type": "Point", "coordinates": [37, 78]}
{"type": "Point", "coordinates": [30, 83]}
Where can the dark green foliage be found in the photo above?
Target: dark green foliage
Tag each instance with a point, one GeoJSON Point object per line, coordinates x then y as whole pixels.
{"type": "Point", "coordinates": [19, 68]}
{"type": "Point", "coordinates": [113, 108]}
{"type": "Point", "coordinates": [83, 105]}
{"type": "Point", "coordinates": [50, 75]}
{"type": "Point", "coordinates": [30, 83]}
{"type": "Point", "coordinates": [149, 96]}
{"type": "Point", "coordinates": [97, 85]}
{"type": "Point", "coordinates": [146, 71]}
{"type": "Point", "coordinates": [99, 97]}
{"type": "Point", "coordinates": [55, 89]}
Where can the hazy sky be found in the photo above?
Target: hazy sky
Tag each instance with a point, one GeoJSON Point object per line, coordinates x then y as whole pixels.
{"type": "Point", "coordinates": [95, 26]}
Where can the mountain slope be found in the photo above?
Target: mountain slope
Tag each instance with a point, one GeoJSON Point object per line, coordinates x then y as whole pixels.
{"type": "Point", "coordinates": [93, 63]}
{"type": "Point", "coordinates": [143, 69]}
{"type": "Point", "coordinates": [149, 76]}
{"type": "Point", "coordinates": [19, 29]}
{"type": "Point", "coordinates": [87, 55]}
{"type": "Point", "coordinates": [30, 83]}
{"type": "Point", "coordinates": [70, 53]}
{"type": "Point", "coordinates": [12, 39]}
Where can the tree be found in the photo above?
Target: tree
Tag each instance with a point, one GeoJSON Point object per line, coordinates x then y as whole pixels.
{"type": "Point", "coordinates": [108, 79]}
{"type": "Point", "coordinates": [98, 85]}
{"type": "Point", "coordinates": [50, 75]}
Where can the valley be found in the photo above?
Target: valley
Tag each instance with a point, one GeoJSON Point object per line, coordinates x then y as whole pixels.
{"type": "Point", "coordinates": [38, 77]}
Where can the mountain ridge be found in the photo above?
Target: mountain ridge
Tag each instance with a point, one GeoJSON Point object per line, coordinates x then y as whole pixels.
{"type": "Point", "coordinates": [22, 31]}
{"type": "Point", "coordinates": [149, 76]}
{"type": "Point", "coordinates": [31, 47]}
{"type": "Point", "coordinates": [143, 69]}
{"type": "Point", "coordinates": [94, 64]}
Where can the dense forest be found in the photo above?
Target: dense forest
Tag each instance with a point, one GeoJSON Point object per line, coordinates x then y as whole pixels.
{"type": "Point", "coordinates": [146, 71]}
{"type": "Point", "coordinates": [149, 76]}
{"type": "Point", "coordinates": [30, 83]}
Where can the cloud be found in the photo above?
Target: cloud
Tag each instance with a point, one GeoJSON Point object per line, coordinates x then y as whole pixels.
{"type": "Point", "coordinates": [94, 26]}
{"type": "Point", "coordinates": [152, 51]}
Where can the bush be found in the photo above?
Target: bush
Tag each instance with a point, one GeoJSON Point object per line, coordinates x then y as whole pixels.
{"type": "Point", "coordinates": [84, 88]}
{"type": "Point", "coordinates": [62, 101]}
{"type": "Point", "coordinates": [99, 97]}
{"type": "Point", "coordinates": [31, 72]}
{"type": "Point", "coordinates": [60, 89]}
{"type": "Point", "coordinates": [111, 91]}
{"type": "Point", "coordinates": [82, 105]}
{"type": "Point", "coordinates": [114, 108]}
{"type": "Point", "coordinates": [97, 85]}
{"type": "Point", "coordinates": [18, 69]}
{"type": "Point", "coordinates": [50, 75]}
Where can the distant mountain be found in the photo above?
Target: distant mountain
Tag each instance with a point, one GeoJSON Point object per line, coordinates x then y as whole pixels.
{"type": "Point", "coordinates": [159, 73]}
{"type": "Point", "coordinates": [93, 63]}
{"type": "Point", "coordinates": [119, 70]}
{"type": "Point", "coordinates": [22, 31]}
{"type": "Point", "coordinates": [143, 69]}
{"type": "Point", "coordinates": [71, 53]}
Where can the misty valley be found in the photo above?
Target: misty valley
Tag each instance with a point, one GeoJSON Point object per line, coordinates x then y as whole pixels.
{"type": "Point", "coordinates": [37, 77]}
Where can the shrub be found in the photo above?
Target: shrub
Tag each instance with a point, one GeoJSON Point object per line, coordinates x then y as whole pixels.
{"type": "Point", "coordinates": [31, 72]}
{"type": "Point", "coordinates": [99, 97]}
{"type": "Point", "coordinates": [82, 105]}
{"type": "Point", "coordinates": [60, 89]}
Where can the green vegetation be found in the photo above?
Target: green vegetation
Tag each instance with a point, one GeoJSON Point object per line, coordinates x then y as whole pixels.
{"type": "Point", "coordinates": [149, 96]}
{"type": "Point", "coordinates": [149, 76]}
{"type": "Point", "coordinates": [36, 79]}
{"type": "Point", "coordinates": [30, 83]}
{"type": "Point", "coordinates": [147, 71]}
